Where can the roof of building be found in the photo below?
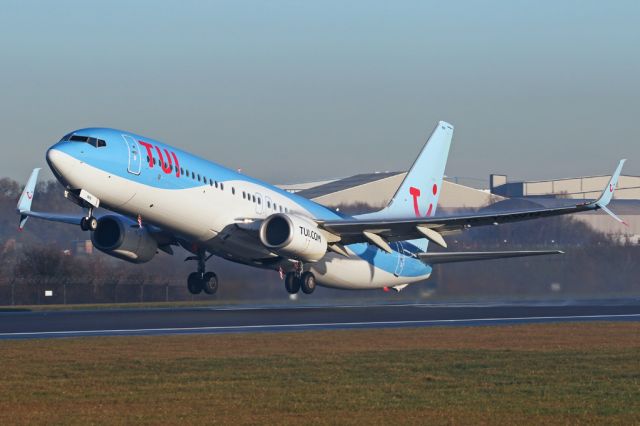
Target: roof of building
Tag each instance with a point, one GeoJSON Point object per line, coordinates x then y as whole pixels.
{"type": "Point", "coordinates": [346, 183]}
{"type": "Point", "coordinates": [618, 206]}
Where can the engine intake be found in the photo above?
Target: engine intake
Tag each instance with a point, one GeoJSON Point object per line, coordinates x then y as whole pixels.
{"type": "Point", "coordinates": [121, 237]}
{"type": "Point", "coordinates": [293, 237]}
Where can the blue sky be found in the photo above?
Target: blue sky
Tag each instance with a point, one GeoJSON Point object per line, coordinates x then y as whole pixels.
{"type": "Point", "coordinates": [293, 90]}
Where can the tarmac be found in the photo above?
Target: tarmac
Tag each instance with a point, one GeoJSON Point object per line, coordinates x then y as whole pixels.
{"type": "Point", "coordinates": [245, 319]}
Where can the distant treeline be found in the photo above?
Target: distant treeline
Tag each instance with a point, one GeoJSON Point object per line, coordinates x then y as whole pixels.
{"type": "Point", "coordinates": [42, 258]}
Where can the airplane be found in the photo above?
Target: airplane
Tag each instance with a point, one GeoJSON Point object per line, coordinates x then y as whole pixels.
{"type": "Point", "coordinates": [160, 197]}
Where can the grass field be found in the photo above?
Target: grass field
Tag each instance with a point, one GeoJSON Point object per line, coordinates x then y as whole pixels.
{"type": "Point", "coordinates": [547, 373]}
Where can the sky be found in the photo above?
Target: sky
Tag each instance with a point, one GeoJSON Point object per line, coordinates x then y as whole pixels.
{"type": "Point", "coordinates": [294, 91]}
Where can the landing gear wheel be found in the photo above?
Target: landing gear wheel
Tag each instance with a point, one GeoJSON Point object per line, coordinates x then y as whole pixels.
{"type": "Point", "coordinates": [195, 283]}
{"type": "Point", "coordinates": [210, 283]}
{"type": "Point", "coordinates": [89, 223]}
{"type": "Point", "coordinates": [292, 283]}
{"type": "Point", "coordinates": [308, 282]}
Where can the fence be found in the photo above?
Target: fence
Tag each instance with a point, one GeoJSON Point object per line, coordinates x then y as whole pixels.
{"type": "Point", "coordinates": [26, 292]}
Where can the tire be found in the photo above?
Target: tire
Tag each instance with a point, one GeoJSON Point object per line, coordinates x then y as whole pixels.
{"type": "Point", "coordinates": [210, 283]}
{"type": "Point", "coordinates": [194, 283]}
{"type": "Point", "coordinates": [92, 224]}
{"type": "Point", "coordinates": [83, 224]}
{"type": "Point", "coordinates": [291, 283]}
{"type": "Point", "coordinates": [308, 282]}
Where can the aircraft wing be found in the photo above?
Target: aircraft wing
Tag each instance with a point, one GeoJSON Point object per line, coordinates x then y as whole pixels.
{"type": "Point", "coordinates": [450, 257]}
{"type": "Point", "coordinates": [379, 231]}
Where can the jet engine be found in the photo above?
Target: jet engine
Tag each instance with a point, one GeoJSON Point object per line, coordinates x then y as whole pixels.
{"type": "Point", "coordinates": [121, 237]}
{"type": "Point", "coordinates": [293, 237]}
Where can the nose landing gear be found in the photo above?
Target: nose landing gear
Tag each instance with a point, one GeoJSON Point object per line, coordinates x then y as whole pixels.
{"type": "Point", "coordinates": [89, 222]}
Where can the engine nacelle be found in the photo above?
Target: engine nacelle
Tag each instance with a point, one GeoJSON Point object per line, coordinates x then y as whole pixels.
{"type": "Point", "coordinates": [120, 237]}
{"type": "Point", "coordinates": [293, 237]}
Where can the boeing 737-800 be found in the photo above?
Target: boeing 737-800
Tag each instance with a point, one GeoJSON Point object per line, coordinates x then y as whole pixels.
{"type": "Point", "coordinates": [161, 197]}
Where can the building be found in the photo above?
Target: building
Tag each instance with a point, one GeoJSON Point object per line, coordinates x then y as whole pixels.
{"type": "Point", "coordinates": [376, 189]}
{"type": "Point", "coordinates": [582, 188]}
{"type": "Point", "coordinates": [547, 193]}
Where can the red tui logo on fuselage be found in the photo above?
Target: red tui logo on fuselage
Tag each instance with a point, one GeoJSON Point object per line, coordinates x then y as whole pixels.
{"type": "Point", "coordinates": [167, 166]}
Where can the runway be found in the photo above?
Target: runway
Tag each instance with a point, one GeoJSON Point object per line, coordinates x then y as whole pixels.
{"type": "Point", "coordinates": [243, 319]}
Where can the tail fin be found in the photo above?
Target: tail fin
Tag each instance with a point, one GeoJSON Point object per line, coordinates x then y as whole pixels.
{"type": "Point", "coordinates": [418, 194]}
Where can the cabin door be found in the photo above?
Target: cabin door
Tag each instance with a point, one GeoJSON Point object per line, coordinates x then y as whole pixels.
{"type": "Point", "coordinates": [135, 157]}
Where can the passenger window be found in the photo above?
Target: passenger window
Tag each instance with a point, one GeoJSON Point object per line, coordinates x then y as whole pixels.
{"type": "Point", "coordinates": [181, 170]}
{"type": "Point", "coordinates": [221, 186]}
{"type": "Point", "coordinates": [193, 175]}
{"type": "Point", "coordinates": [216, 182]}
{"type": "Point", "coordinates": [233, 190]}
{"type": "Point", "coordinates": [268, 204]}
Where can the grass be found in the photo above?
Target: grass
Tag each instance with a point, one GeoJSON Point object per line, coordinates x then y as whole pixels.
{"type": "Point", "coordinates": [546, 373]}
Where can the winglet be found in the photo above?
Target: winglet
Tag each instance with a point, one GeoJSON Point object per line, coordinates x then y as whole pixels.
{"type": "Point", "coordinates": [24, 203]}
{"type": "Point", "coordinates": [613, 215]}
{"type": "Point", "coordinates": [607, 194]}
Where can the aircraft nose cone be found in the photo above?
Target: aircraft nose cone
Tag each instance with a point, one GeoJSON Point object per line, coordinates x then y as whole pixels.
{"type": "Point", "coordinates": [54, 159]}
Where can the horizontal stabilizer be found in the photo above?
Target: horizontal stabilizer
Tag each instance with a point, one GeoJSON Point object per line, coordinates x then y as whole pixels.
{"type": "Point", "coordinates": [24, 206]}
{"type": "Point", "coordinates": [55, 217]}
{"type": "Point", "coordinates": [24, 203]}
{"type": "Point", "coordinates": [449, 257]}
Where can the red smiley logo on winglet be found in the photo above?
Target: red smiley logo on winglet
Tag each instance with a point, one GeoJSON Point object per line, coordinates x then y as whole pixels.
{"type": "Point", "coordinates": [29, 195]}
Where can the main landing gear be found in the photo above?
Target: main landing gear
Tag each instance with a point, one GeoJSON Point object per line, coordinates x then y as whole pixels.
{"type": "Point", "coordinates": [89, 222]}
{"type": "Point", "coordinates": [296, 281]}
{"type": "Point", "coordinates": [202, 281]}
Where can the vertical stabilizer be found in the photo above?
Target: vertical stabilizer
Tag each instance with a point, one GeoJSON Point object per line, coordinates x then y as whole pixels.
{"type": "Point", "coordinates": [420, 190]}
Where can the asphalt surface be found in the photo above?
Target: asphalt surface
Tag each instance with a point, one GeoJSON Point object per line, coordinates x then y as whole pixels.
{"type": "Point", "coordinates": [21, 325]}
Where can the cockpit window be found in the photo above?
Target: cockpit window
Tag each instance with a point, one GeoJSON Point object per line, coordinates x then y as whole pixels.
{"type": "Point", "coordinates": [98, 143]}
